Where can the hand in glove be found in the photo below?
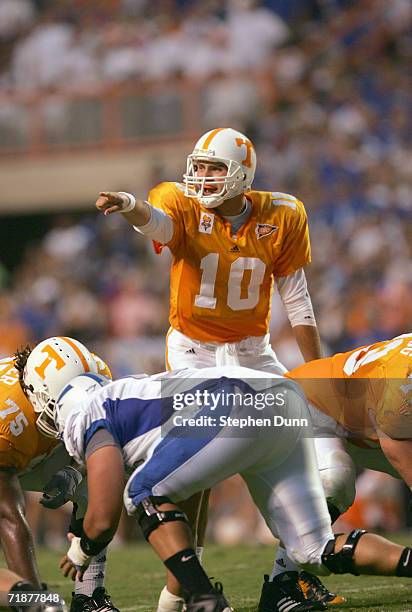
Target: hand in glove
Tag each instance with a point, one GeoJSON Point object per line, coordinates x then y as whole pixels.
{"type": "Point", "coordinates": [61, 487]}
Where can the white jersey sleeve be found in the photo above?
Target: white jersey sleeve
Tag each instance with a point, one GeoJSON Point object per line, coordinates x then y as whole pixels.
{"type": "Point", "coordinates": [294, 294]}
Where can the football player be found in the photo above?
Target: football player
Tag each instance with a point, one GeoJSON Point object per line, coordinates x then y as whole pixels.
{"type": "Point", "coordinates": [131, 422]}
{"type": "Point", "coordinates": [230, 246]}
{"type": "Point", "coordinates": [33, 461]}
{"type": "Point", "coordinates": [361, 408]}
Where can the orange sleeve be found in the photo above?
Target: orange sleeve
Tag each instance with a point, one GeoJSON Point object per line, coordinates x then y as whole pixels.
{"type": "Point", "coordinates": [165, 196]}
{"type": "Point", "coordinates": [296, 244]}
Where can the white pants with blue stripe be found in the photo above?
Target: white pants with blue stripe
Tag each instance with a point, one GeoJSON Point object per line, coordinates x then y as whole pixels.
{"type": "Point", "coordinates": [279, 468]}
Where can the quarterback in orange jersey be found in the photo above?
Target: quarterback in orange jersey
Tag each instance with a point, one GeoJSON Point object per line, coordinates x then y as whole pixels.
{"type": "Point", "coordinates": [230, 246]}
{"type": "Point", "coordinates": [30, 459]}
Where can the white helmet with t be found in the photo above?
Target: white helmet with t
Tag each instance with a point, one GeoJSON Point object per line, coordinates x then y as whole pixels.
{"type": "Point", "coordinates": [235, 151]}
{"type": "Point", "coordinates": [50, 366]}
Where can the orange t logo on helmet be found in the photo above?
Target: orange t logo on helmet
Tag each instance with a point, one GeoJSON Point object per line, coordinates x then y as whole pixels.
{"type": "Point", "coordinates": [248, 159]}
{"type": "Point", "coordinates": [52, 355]}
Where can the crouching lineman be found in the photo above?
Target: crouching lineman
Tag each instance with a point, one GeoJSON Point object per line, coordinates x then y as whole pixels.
{"type": "Point", "coordinates": [31, 460]}
{"type": "Point", "coordinates": [361, 407]}
{"type": "Point", "coordinates": [164, 424]}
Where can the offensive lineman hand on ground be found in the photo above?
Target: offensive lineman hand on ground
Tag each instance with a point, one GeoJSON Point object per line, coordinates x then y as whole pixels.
{"type": "Point", "coordinates": [75, 562]}
{"type": "Point", "coordinates": [110, 202]}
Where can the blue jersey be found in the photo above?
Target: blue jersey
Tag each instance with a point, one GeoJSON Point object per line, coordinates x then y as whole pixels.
{"type": "Point", "coordinates": [140, 412]}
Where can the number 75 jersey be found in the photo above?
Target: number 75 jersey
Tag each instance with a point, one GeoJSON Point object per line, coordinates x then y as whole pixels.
{"type": "Point", "coordinates": [21, 444]}
{"type": "Point", "coordinates": [221, 284]}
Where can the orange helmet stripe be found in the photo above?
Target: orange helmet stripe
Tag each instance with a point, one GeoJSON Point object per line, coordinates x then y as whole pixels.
{"type": "Point", "coordinates": [78, 352]}
{"type": "Point", "coordinates": [210, 137]}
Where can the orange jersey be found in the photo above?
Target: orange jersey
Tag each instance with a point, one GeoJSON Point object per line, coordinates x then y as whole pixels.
{"type": "Point", "coordinates": [221, 284]}
{"type": "Point", "coordinates": [21, 444]}
{"type": "Point", "coordinates": [366, 390]}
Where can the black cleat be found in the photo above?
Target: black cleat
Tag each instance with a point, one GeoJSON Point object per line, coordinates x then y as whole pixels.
{"type": "Point", "coordinates": [103, 601]}
{"type": "Point", "coordinates": [284, 594]}
{"type": "Point", "coordinates": [314, 589]}
{"type": "Point", "coordinates": [214, 601]}
{"type": "Point", "coordinates": [100, 601]}
{"type": "Point", "coordinates": [82, 603]}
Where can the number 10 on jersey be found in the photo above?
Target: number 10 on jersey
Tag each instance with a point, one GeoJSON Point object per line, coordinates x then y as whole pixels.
{"type": "Point", "coordinates": [210, 269]}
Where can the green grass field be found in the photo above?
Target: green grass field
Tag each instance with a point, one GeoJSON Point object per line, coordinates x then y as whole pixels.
{"type": "Point", "coordinates": [135, 577]}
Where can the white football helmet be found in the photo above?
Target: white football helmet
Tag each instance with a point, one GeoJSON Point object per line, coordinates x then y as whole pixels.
{"type": "Point", "coordinates": [226, 146]}
{"type": "Point", "coordinates": [49, 367]}
{"type": "Point", "coordinates": [75, 392]}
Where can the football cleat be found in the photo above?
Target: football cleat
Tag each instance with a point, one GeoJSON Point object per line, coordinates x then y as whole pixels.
{"type": "Point", "coordinates": [100, 601]}
{"type": "Point", "coordinates": [82, 603]}
{"type": "Point", "coordinates": [214, 601]}
{"type": "Point", "coordinates": [284, 594]}
{"type": "Point", "coordinates": [103, 601]}
{"type": "Point", "coordinates": [314, 589]}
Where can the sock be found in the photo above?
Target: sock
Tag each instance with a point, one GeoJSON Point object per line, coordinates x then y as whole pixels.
{"type": "Point", "coordinates": [282, 564]}
{"type": "Point", "coordinates": [199, 553]}
{"type": "Point", "coordinates": [169, 602]}
{"type": "Point", "coordinates": [187, 570]}
{"type": "Point", "coordinates": [93, 577]}
{"type": "Point", "coordinates": [405, 563]}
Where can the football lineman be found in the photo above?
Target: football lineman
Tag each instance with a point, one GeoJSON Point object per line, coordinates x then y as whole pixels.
{"type": "Point", "coordinates": [154, 425]}
{"type": "Point", "coordinates": [230, 245]}
{"type": "Point", "coordinates": [361, 408]}
{"type": "Point", "coordinates": [361, 403]}
{"type": "Point", "coordinates": [31, 460]}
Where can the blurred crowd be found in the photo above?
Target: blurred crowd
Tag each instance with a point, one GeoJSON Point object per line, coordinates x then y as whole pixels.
{"type": "Point", "coordinates": [324, 90]}
{"type": "Point", "coordinates": [72, 43]}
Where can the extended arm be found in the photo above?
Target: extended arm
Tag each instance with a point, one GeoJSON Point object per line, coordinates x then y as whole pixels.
{"type": "Point", "coordinates": [16, 538]}
{"type": "Point", "coordinates": [146, 219]}
{"type": "Point", "coordinates": [294, 293]}
{"type": "Point", "coordinates": [135, 211]}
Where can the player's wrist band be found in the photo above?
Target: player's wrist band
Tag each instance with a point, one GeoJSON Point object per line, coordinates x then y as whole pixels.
{"type": "Point", "coordinates": [132, 202]}
{"type": "Point", "coordinates": [92, 547]}
{"type": "Point", "coordinates": [76, 554]}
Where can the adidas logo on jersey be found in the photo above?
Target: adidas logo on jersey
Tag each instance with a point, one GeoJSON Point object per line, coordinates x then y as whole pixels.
{"type": "Point", "coordinates": [190, 351]}
{"type": "Point", "coordinates": [234, 249]}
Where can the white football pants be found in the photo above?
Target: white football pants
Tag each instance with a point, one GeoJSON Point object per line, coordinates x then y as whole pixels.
{"type": "Point", "coordinates": [279, 467]}
{"type": "Point", "coordinates": [253, 352]}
